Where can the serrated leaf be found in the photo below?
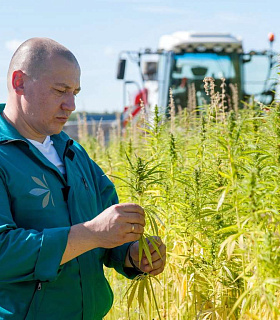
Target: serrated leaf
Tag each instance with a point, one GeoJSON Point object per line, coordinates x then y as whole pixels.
{"type": "Point", "coordinates": [230, 248]}
{"type": "Point", "coordinates": [238, 301]}
{"type": "Point", "coordinates": [228, 272]}
{"type": "Point", "coordinates": [140, 250]}
{"type": "Point", "coordinates": [154, 244]}
{"type": "Point", "coordinates": [153, 214]}
{"type": "Point", "coordinates": [153, 224]}
{"type": "Point", "coordinates": [131, 285]}
{"type": "Point", "coordinates": [241, 242]}
{"type": "Point", "coordinates": [132, 294]}
{"type": "Point", "coordinates": [141, 294]}
{"type": "Point", "coordinates": [223, 174]}
{"type": "Point", "coordinates": [154, 278]}
{"type": "Point", "coordinates": [229, 229]}
{"type": "Point", "coordinates": [147, 252]}
{"type": "Point", "coordinates": [183, 290]}
{"type": "Point", "coordinates": [224, 243]}
{"type": "Point", "coordinates": [199, 242]}
{"type": "Point", "coordinates": [147, 286]}
{"type": "Point", "coordinates": [222, 198]}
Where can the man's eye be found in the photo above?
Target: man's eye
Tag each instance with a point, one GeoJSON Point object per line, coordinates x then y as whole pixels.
{"type": "Point", "coordinates": [60, 91]}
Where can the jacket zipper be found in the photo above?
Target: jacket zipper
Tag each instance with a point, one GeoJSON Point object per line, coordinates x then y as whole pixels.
{"type": "Point", "coordinates": [39, 287]}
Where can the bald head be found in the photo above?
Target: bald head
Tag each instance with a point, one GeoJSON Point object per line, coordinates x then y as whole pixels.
{"type": "Point", "coordinates": [33, 57]}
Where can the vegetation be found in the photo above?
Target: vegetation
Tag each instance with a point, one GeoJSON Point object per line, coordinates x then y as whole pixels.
{"type": "Point", "coordinates": [210, 181]}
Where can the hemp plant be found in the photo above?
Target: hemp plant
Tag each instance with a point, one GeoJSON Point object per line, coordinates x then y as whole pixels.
{"type": "Point", "coordinates": [214, 179]}
{"type": "Point", "coordinates": [143, 175]}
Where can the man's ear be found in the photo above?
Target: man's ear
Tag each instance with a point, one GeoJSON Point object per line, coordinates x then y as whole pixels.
{"type": "Point", "coordinates": [18, 82]}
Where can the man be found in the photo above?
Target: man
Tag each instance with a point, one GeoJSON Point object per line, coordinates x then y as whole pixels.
{"type": "Point", "coordinates": [59, 218]}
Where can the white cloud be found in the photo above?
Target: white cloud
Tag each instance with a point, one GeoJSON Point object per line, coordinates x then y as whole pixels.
{"type": "Point", "coordinates": [12, 45]}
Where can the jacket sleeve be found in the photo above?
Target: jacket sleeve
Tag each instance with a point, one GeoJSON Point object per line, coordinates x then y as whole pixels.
{"type": "Point", "coordinates": [27, 255]}
{"type": "Point", "coordinates": [114, 258]}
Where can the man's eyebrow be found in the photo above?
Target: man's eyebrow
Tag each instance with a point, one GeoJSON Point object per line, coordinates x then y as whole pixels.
{"type": "Point", "coordinates": [64, 85]}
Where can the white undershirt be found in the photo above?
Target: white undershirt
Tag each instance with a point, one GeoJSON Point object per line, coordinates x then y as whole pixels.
{"type": "Point", "coordinates": [48, 150]}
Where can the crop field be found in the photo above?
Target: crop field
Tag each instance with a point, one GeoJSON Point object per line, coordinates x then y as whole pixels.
{"type": "Point", "coordinates": [209, 181]}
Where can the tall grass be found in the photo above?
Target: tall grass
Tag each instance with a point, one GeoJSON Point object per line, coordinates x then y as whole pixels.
{"type": "Point", "coordinates": [211, 181]}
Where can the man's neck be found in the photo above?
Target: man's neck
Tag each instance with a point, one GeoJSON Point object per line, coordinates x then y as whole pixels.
{"type": "Point", "coordinates": [23, 129]}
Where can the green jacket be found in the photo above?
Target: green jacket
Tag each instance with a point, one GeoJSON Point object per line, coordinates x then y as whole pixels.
{"type": "Point", "coordinates": [37, 208]}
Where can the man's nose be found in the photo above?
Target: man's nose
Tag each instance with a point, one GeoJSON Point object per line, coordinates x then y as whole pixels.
{"type": "Point", "coordinates": [69, 102]}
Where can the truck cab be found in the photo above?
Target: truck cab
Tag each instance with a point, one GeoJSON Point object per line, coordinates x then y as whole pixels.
{"type": "Point", "coordinates": [184, 59]}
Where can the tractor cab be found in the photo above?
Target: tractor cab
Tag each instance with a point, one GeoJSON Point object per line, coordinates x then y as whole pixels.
{"type": "Point", "coordinates": [190, 69]}
{"type": "Point", "coordinates": [181, 63]}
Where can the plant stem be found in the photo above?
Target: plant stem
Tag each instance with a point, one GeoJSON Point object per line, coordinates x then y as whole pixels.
{"type": "Point", "coordinates": [154, 297]}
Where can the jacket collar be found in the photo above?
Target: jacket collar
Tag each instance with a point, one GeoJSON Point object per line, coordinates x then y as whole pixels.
{"type": "Point", "coordinates": [8, 134]}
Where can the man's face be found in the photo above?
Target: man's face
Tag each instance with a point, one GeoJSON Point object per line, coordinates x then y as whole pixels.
{"type": "Point", "coordinates": [49, 100]}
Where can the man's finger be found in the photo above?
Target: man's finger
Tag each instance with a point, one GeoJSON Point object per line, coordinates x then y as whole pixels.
{"type": "Point", "coordinates": [132, 217]}
{"type": "Point", "coordinates": [131, 207]}
{"type": "Point", "coordinates": [155, 241]}
{"type": "Point", "coordinates": [156, 264]}
{"type": "Point", "coordinates": [157, 271]}
{"type": "Point", "coordinates": [134, 228]}
{"type": "Point", "coordinates": [130, 237]}
{"type": "Point", "coordinates": [158, 243]}
{"type": "Point", "coordinates": [155, 257]}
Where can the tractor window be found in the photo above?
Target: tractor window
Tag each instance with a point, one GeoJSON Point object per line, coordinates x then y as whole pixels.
{"type": "Point", "coordinates": [260, 78]}
{"type": "Point", "coordinates": [190, 69]}
{"type": "Point", "coordinates": [196, 66]}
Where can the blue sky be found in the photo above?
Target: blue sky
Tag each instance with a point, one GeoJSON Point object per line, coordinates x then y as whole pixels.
{"type": "Point", "coordinates": [96, 31]}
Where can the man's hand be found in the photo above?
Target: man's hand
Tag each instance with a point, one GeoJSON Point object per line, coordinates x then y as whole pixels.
{"type": "Point", "coordinates": [118, 224]}
{"type": "Point", "coordinates": [158, 260]}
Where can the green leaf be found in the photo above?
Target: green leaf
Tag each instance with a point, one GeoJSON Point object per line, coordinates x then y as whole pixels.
{"type": "Point", "coordinates": [140, 249]}
{"type": "Point", "coordinates": [154, 244]}
{"type": "Point", "coordinates": [141, 294]}
{"type": "Point", "coordinates": [225, 175]}
{"type": "Point", "coordinates": [154, 278]}
{"type": "Point", "coordinates": [230, 243]}
{"type": "Point", "coordinates": [233, 228]}
{"type": "Point", "coordinates": [238, 301]}
{"type": "Point", "coordinates": [147, 286]}
{"type": "Point", "coordinates": [221, 200]}
{"type": "Point", "coordinates": [228, 272]}
{"type": "Point", "coordinates": [147, 252]}
{"type": "Point", "coordinates": [130, 163]}
{"type": "Point", "coordinates": [132, 294]}
{"type": "Point", "coordinates": [153, 223]}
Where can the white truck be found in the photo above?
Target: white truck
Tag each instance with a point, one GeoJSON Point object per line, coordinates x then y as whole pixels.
{"type": "Point", "coordinates": [183, 60]}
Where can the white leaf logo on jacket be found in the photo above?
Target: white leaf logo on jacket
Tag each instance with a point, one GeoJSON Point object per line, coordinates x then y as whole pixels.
{"type": "Point", "coordinates": [40, 191]}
